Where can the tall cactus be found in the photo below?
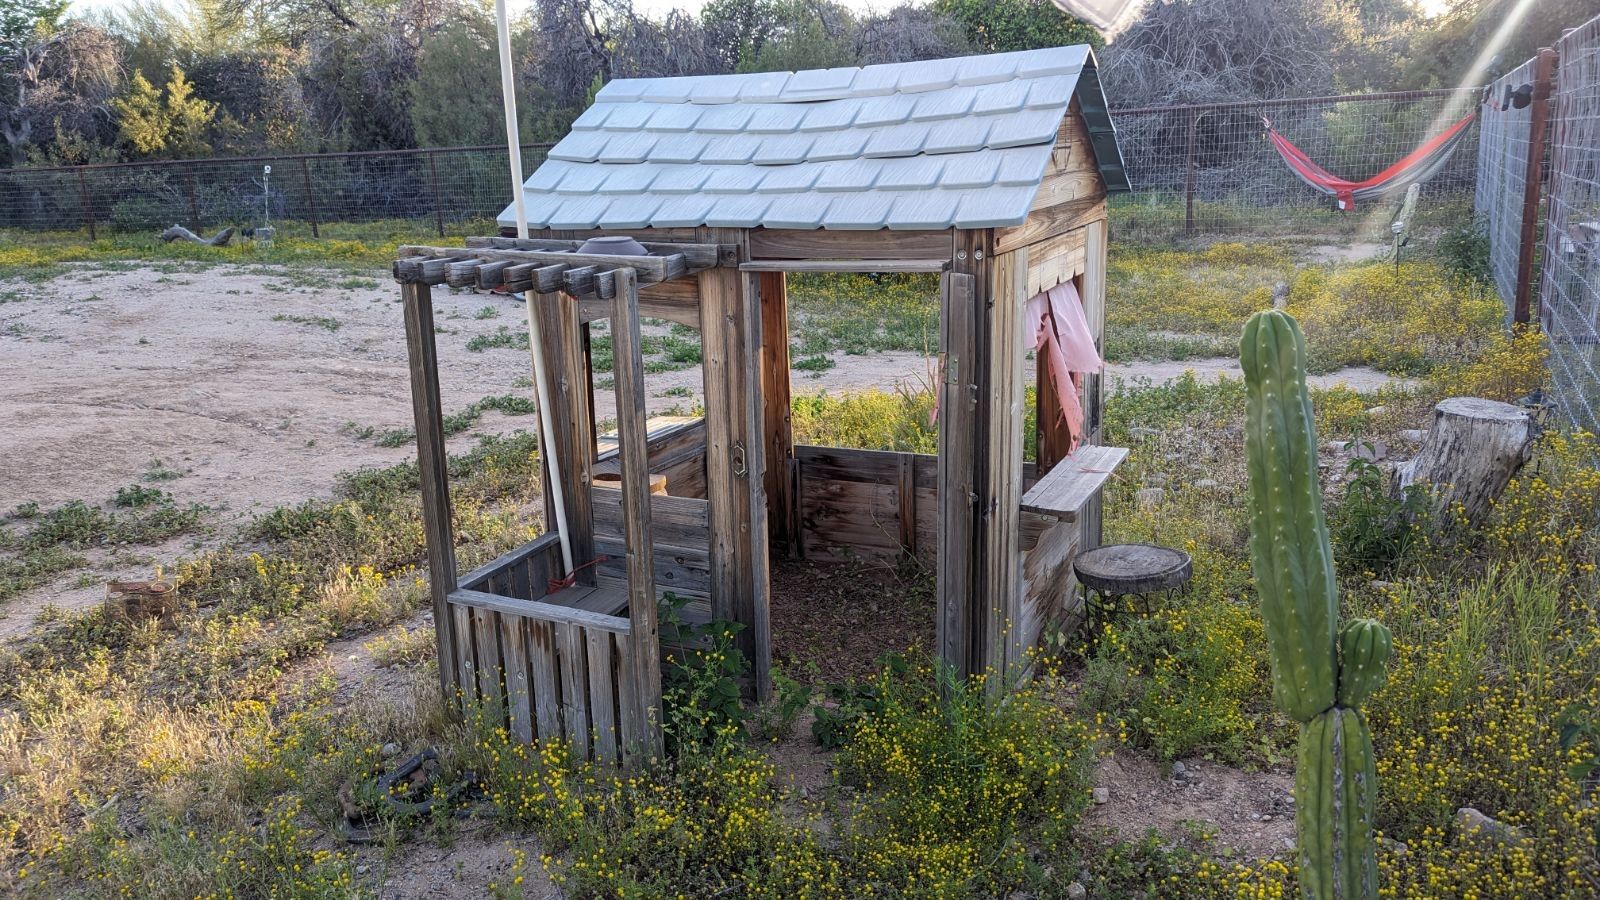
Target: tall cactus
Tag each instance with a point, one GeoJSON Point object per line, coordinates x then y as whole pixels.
{"type": "Point", "coordinates": [1320, 673]}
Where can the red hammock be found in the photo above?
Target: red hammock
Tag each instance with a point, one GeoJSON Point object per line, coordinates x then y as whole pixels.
{"type": "Point", "coordinates": [1419, 165]}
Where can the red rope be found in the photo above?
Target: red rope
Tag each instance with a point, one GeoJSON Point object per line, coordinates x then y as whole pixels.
{"type": "Point", "coordinates": [556, 584]}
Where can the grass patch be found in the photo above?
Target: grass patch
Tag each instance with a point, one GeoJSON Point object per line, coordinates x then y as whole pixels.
{"type": "Point", "coordinates": [327, 323]}
{"type": "Point", "coordinates": [456, 423]}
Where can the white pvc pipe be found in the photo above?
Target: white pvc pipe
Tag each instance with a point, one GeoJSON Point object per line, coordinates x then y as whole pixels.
{"type": "Point", "coordinates": [547, 442]}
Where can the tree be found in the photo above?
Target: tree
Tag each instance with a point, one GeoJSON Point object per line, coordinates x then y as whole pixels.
{"type": "Point", "coordinates": [141, 120]}
{"type": "Point", "coordinates": [23, 22]}
{"type": "Point", "coordinates": [996, 26]}
{"type": "Point", "coordinates": [176, 124]}
{"type": "Point", "coordinates": [1208, 51]}
{"type": "Point", "coordinates": [55, 76]}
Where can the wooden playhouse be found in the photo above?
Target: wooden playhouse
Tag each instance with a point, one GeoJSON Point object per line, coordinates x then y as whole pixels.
{"type": "Point", "coordinates": [989, 171]}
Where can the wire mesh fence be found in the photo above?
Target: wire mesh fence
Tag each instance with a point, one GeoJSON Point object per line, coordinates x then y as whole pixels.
{"type": "Point", "coordinates": [1511, 132]}
{"type": "Point", "coordinates": [435, 189]}
{"type": "Point", "coordinates": [1209, 170]}
{"type": "Point", "coordinates": [1570, 284]}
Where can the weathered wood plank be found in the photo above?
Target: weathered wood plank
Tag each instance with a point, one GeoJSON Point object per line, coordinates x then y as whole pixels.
{"type": "Point", "coordinates": [540, 547]}
{"type": "Point", "coordinates": [1000, 485]}
{"type": "Point", "coordinates": [884, 244]}
{"type": "Point", "coordinates": [519, 689]}
{"type": "Point", "coordinates": [930, 266]}
{"type": "Point", "coordinates": [859, 518]}
{"type": "Point", "coordinates": [781, 487]}
{"type": "Point", "coordinates": [466, 686]}
{"type": "Point", "coordinates": [1048, 586]}
{"type": "Point", "coordinates": [535, 609]}
{"type": "Point", "coordinates": [545, 678]}
{"type": "Point", "coordinates": [432, 466]}
{"type": "Point", "coordinates": [427, 263]}
{"type": "Point", "coordinates": [957, 430]}
{"type": "Point", "coordinates": [699, 256]}
{"type": "Point", "coordinates": [572, 645]}
{"type": "Point", "coordinates": [730, 319]}
{"type": "Point", "coordinates": [684, 571]}
{"type": "Point", "coordinates": [681, 521]}
{"type": "Point", "coordinates": [1051, 221]}
{"type": "Point", "coordinates": [906, 496]}
{"type": "Point", "coordinates": [602, 696]}
{"type": "Point", "coordinates": [685, 311]}
{"type": "Point", "coordinates": [1055, 260]}
{"type": "Point", "coordinates": [1067, 489]}
{"type": "Point", "coordinates": [486, 636]}
{"type": "Point", "coordinates": [569, 416]}
{"type": "Point", "coordinates": [638, 505]}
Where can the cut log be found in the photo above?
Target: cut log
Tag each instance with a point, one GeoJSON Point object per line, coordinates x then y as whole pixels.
{"type": "Point", "coordinates": [178, 232]}
{"type": "Point", "coordinates": [1470, 454]}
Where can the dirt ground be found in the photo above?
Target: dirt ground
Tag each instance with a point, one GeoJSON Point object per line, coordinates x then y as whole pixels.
{"type": "Point", "coordinates": [1250, 813]}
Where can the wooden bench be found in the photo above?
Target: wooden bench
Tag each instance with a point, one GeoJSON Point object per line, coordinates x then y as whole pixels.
{"type": "Point", "coordinates": [1064, 491]}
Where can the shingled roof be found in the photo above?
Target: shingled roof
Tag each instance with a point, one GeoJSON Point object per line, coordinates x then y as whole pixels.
{"type": "Point", "coordinates": [953, 142]}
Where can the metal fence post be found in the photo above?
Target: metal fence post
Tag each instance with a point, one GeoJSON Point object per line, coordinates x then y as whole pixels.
{"type": "Point", "coordinates": [1188, 178]}
{"type": "Point", "coordinates": [83, 198]}
{"type": "Point", "coordinates": [438, 210]}
{"type": "Point", "coordinates": [1538, 122]}
{"type": "Point", "coordinates": [311, 197]}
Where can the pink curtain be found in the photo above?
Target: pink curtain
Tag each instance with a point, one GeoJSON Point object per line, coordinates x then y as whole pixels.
{"type": "Point", "coordinates": [1059, 332]}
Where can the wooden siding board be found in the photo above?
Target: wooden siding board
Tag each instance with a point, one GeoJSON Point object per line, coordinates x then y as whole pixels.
{"type": "Point", "coordinates": [432, 466]}
{"type": "Point", "coordinates": [519, 687]}
{"type": "Point", "coordinates": [957, 411]}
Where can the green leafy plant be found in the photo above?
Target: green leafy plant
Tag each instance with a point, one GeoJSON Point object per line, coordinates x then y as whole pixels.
{"type": "Point", "coordinates": [1320, 672]}
{"type": "Point", "coordinates": [1372, 527]}
{"type": "Point", "coordinates": [774, 720]}
{"type": "Point", "coordinates": [700, 694]}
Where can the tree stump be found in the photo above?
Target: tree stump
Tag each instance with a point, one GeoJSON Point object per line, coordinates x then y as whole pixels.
{"type": "Point", "coordinates": [1470, 454]}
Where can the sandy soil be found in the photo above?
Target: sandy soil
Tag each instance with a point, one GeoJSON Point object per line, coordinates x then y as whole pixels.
{"type": "Point", "coordinates": [1248, 812]}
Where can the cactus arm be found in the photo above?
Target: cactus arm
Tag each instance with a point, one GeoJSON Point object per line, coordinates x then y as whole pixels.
{"type": "Point", "coordinates": [1293, 559]}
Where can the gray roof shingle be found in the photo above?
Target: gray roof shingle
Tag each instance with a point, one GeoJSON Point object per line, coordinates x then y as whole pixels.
{"type": "Point", "coordinates": [945, 143]}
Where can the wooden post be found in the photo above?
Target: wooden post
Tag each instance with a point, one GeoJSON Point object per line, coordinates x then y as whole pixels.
{"type": "Point", "coordinates": [83, 200]}
{"type": "Point", "coordinates": [438, 208]}
{"type": "Point", "coordinates": [433, 467]}
{"type": "Point", "coordinates": [1533, 179]}
{"type": "Point", "coordinates": [731, 334]}
{"type": "Point", "coordinates": [960, 305]}
{"type": "Point", "coordinates": [311, 196]}
{"type": "Point", "coordinates": [645, 641]}
{"type": "Point", "coordinates": [569, 416]}
{"type": "Point", "coordinates": [783, 508]}
{"type": "Point", "coordinates": [999, 492]}
{"type": "Point", "coordinates": [1189, 178]}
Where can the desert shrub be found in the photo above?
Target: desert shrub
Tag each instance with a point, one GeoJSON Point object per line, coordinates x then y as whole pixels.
{"type": "Point", "coordinates": [864, 313]}
{"type": "Point", "coordinates": [1546, 516]}
{"type": "Point", "coordinates": [1464, 249]}
{"type": "Point", "coordinates": [963, 789]}
{"type": "Point", "coordinates": [1406, 320]}
{"type": "Point", "coordinates": [1177, 304]}
{"type": "Point", "coordinates": [868, 420]}
{"type": "Point", "coordinates": [1507, 368]}
{"type": "Point", "coordinates": [1187, 680]}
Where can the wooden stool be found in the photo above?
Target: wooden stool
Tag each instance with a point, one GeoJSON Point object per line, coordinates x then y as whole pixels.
{"type": "Point", "coordinates": [1130, 570]}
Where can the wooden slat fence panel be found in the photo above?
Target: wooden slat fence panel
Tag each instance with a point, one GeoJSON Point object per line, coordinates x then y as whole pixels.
{"type": "Point", "coordinates": [549, 673]}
